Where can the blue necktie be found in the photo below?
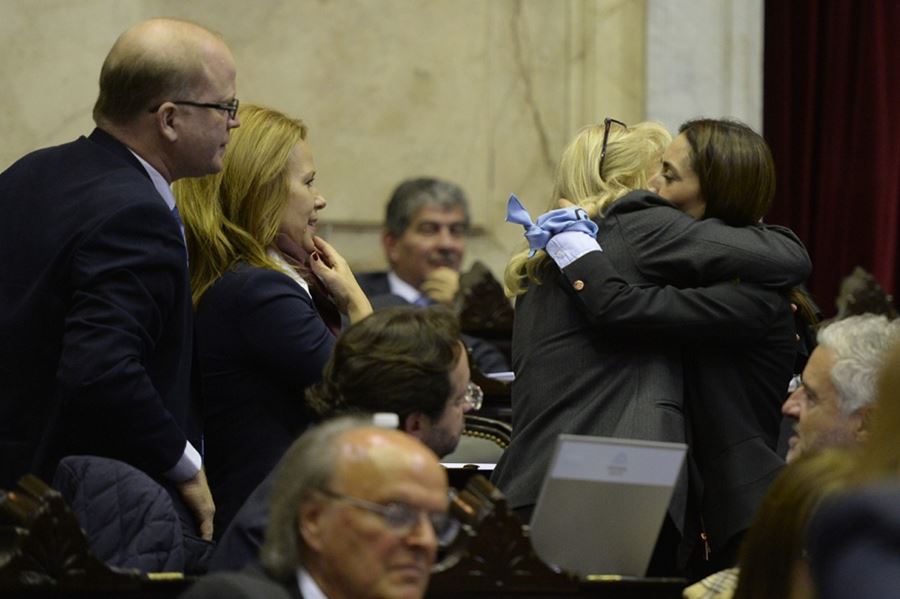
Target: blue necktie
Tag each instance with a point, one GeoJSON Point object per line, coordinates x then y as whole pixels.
{"type": "Point", "coordinates": [177, 216]}
{"type": "Point", "coordinates": [423, 301]}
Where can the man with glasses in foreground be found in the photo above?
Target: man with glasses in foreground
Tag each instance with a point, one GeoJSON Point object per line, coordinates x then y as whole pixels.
{"type": "Point", "coordinates": [403, 360]}
{"type": "Point", "coordinates": [357, 512]}
{"type": "Point", "coordinates": [95, 302]}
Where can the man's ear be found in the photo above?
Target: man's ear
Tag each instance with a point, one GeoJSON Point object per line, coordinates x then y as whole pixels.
{"type": "Point", "coordinates": [863, 422]}
{"type": "Point", "coordinates": [309, 522]}
{"type": "Point", "coordinates": [417, 424]}
{"type": "Point", "coordinates": [389, 243]}
{"type": "Point", "coordinates": [165, 121]}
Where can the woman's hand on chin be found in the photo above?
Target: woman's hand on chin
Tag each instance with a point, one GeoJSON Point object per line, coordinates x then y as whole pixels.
{"type": "Point", "coordinates": [331, 268]}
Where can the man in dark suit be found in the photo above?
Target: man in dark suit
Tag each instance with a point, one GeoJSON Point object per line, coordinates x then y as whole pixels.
{"type": "Point", "coordinates": [424, 239]}
{"type": "Point", "coordinates": [348, 502]}
{"type": "Point", "coordinates": [95, 306]}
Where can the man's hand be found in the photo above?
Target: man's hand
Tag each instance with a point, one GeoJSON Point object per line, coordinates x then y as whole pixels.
{"type": "Point", "coordinates": [198, 498]}
{"type": "Point", "coordinates": [441, 285]}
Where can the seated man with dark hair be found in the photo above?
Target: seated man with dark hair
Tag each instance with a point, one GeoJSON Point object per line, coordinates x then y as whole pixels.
{"type": "Point", "coordinates": [406, 361]}
{"type": "Point", "coordinates": [347, 510]}
{"type": "Point", "coordinates": [426, 224]}
{"type": "Point", "coordinates": [403, 360]}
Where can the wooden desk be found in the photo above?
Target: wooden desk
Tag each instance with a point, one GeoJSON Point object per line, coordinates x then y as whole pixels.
{"type": "Point", "coordinates": [43, 555]}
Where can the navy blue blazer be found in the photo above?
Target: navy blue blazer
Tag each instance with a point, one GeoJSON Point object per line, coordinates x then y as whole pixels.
{"type": "Point", "coordinates": [95, 313]}
{"type": "Point", "coordinates": [854, 543]}
{"type": "Point", "coordinates": [260, 344]}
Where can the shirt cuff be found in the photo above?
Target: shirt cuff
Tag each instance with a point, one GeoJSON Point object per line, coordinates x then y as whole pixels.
{"type": "Point", "coordinates": [568, 246]}
{"type": "Point", "coordinates": [187, 467]}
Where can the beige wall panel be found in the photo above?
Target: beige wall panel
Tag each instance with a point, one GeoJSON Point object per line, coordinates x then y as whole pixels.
{"type": "Point", "coordinates": [481, 92]}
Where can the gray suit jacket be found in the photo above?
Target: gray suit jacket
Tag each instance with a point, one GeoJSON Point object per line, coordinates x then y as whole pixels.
{"type": "Point", "coordinates": [610, 362]}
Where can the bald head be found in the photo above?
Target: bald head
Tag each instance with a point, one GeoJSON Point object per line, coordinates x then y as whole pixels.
{"type": "Point", "coordinates": [349, 456]}
{"type": "Point", "coordinates": [368, 456]}
{"type": "Point", "coordinates": [375, 470]}
{"type": "Point", "coordinates": [155, 60]}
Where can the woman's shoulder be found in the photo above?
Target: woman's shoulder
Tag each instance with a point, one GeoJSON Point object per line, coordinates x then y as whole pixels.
{"type": "Point", "coordinates": [248, 282]}
{"type": "Point", "coordinates": [639, 199]}
{"type": "Point", "coordinates": [643, 217]}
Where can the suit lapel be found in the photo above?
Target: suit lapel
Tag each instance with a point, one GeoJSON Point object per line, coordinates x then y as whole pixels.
{"type": "Point", "coordinates": [114, 146]}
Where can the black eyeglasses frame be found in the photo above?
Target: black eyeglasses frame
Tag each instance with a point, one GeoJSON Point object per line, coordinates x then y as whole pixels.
{"type": "Point", "coordinates": [231, 107]}
{"type": "Point", "coordinates": [606, 124]}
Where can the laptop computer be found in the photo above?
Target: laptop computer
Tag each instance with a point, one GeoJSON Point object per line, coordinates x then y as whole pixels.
{"type": "Point", "coordinates": [602, 503]}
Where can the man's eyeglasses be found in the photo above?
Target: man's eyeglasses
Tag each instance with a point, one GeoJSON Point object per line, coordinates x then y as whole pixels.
{"type": "Point", "coordinates": [474, 396]}
{"type": "Point", "coordinates": [402, 518]}
{"type": "Point", "coordinates": [606, 124]}
{"type": "Point", "coordinates": [231, 107]}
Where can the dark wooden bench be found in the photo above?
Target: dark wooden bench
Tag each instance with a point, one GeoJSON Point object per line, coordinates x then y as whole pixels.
{"type": "Point", "coordinates": [43, 553]}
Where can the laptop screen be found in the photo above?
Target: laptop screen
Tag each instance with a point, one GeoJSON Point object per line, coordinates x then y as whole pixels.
{"type": "Point", "coordinates": [602, 503]}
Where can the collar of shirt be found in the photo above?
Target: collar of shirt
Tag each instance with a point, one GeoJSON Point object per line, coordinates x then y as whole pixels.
{"type": "Point", "coordinates": [308, 587]}
{"type": "Point", "coordinates": [402, 288]}
{"type": "Point", "coordinates": [159, 182]}
{"type": "Point", "coordinates": [288, 270]}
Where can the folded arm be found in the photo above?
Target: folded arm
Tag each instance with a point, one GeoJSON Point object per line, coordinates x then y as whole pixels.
{"type": "Point", "coordinates": [724, 310]}
{"type": "Point", "coordinates": [670, 247]}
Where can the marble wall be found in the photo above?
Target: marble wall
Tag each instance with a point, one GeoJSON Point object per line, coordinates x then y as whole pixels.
{"type": "Point", "coordinates": [705, 58]}
{"type": "Point", "coordinates": [481, 92]}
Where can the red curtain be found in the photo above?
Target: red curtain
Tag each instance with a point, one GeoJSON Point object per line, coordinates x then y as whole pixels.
{"type": "Point", "coordinates": [832, 118]}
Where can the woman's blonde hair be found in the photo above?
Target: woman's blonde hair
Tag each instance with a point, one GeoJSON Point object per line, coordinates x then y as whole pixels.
{"type": "Point", "coordinates": [631, 155]}
{"type": "Point", "coordinates": [234, 215]}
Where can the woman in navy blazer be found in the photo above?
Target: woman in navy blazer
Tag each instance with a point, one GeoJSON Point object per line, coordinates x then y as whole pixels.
{"type": "Point", "coordinates": [268, 294]}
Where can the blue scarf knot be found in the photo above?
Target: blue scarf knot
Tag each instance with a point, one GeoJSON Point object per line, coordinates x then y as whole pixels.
{"type": "Point", "coordinates": [548, 224]}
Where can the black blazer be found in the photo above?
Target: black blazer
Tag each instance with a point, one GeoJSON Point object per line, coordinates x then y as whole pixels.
{"type": "Point", "coordinates": [378, 289]}
{"type": "Point", "coordinates": [260, 344]}
{"type": "Point", "coordinates": [95, 313]}
{"type": "Point", "coordinates": [606, 358]}
{"type": "Point", "coordinates": [251, 583]}
{"type": "Point", "coordinates": [374, 283]}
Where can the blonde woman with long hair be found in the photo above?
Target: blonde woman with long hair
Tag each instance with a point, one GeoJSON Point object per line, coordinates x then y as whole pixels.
{"type": "Point", "coordinates": [598, 346]}
{"type": "Point", "coordinates": [268, 294]}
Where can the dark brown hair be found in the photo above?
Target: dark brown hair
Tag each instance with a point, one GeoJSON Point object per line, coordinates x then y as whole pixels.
{"type": "Point", "coordinates": [395, 360]}
{"type": "Point", "coordinates": [735, 169]}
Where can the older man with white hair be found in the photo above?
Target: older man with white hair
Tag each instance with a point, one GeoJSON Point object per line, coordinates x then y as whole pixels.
{"type": "Point", "coordinates": [834, 402]}
{"type": "Point", "coordinates": [357, 512]}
